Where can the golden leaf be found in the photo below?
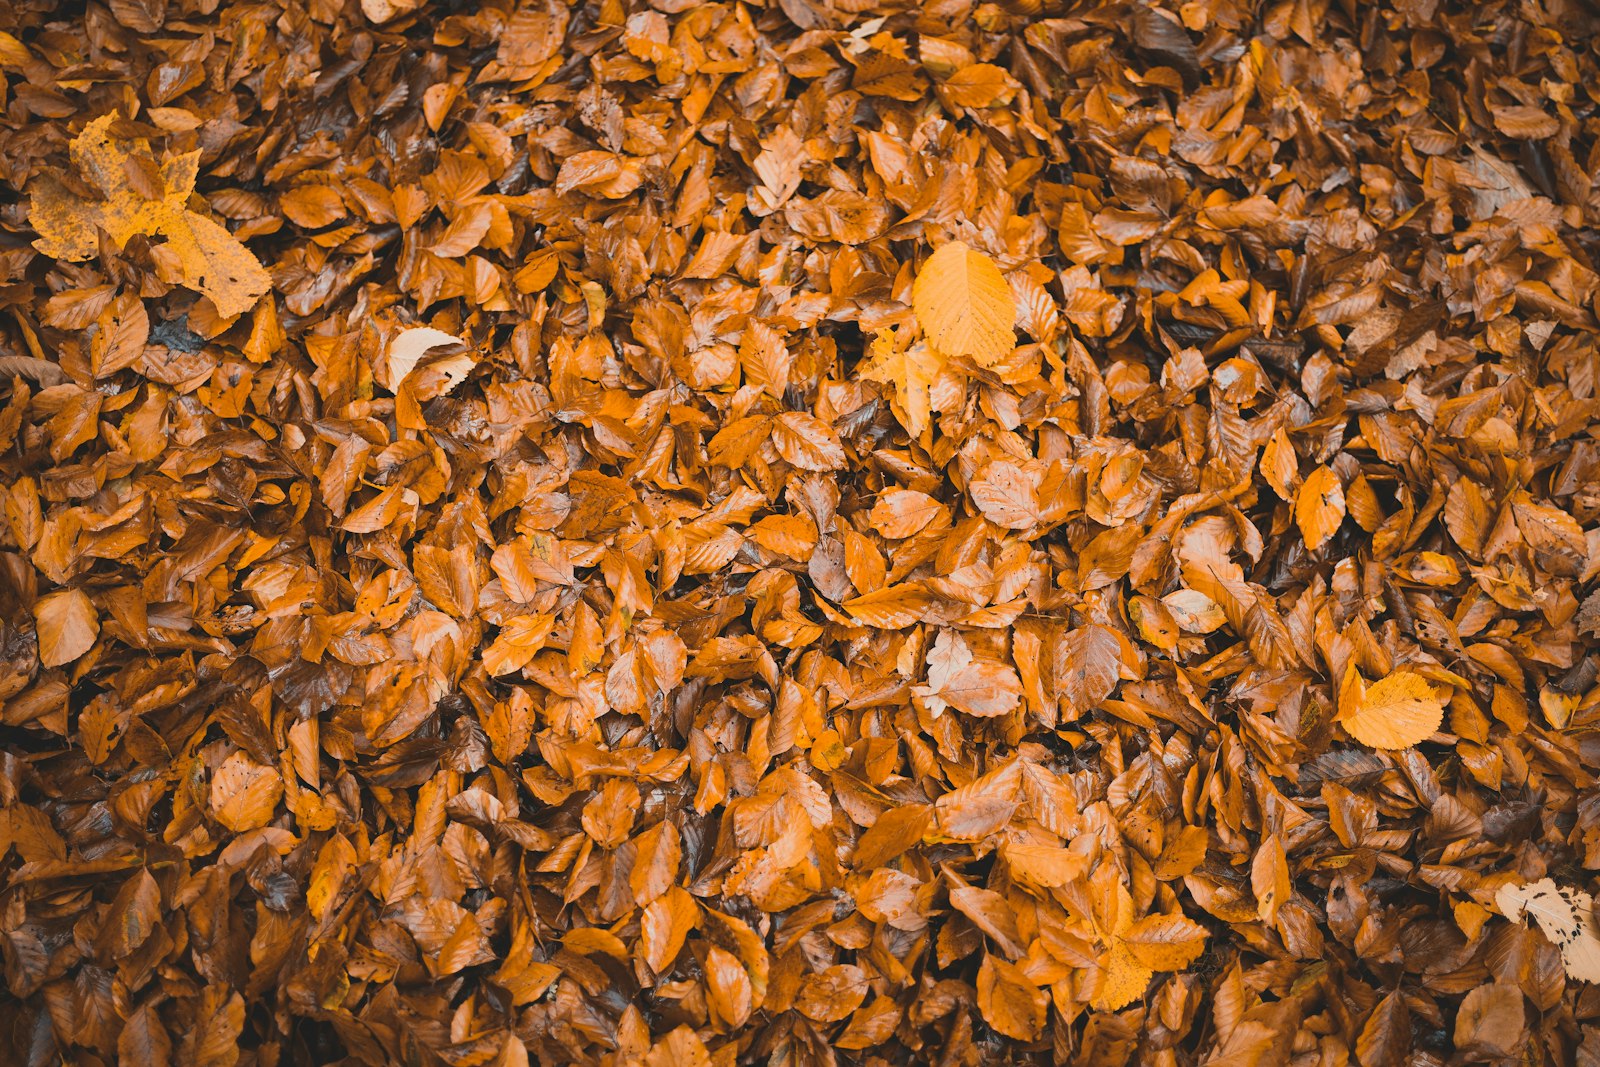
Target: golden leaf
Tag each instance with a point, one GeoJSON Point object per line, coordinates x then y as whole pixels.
{"type": "Point", "coordinates": [1165, 942]}
{"type": "Point", "coordinates": [1155, 621]}
{"type": "Point", "coordinates": [1398, 711]}
{"type": "Point", "coordinates": [664, 926]}
{"type": "Point", "coordinates": [911, 371]}
{"type": "Point", "coordinates": [198, 253]}
{"type": "Point", "coordinates": [335, 860]}
{"type": "Point", "coordinates": [964, 305]}
{"type": "Point", "coordinates": [727, 988]}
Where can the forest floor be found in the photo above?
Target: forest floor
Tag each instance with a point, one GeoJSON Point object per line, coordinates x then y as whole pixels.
{"type": "Point", "coordinates": [685, 533]}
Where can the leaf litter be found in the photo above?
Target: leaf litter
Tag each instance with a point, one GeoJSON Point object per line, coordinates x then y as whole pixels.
{"type": "Point", "coordinates": [662, 533]}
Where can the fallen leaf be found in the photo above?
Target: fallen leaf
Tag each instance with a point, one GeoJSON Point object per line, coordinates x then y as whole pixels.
{"type": "Point", "coordinates": [1319, 507]}
{"type": "Point", "coordinates": [67, 626]}
{"type": "Point", "coordinates": [206, 256]}
{"type": "Point", "coordinates": [1397, 711]}
{"type": "Point", "coordinates": [964, 304]}
{"type": "Point", "coordinates": [911, 372]}
{"type": "Point", "coordinates": [408, 347]}
{"type": "Point", "coordinates": [1566, 916]}
{"type": "Point", "coordinates": [1009, 1002]}
{"type": "Point", "coordinates": [244, 794]}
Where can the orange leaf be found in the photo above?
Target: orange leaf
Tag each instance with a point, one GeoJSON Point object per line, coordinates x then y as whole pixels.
{"type": "Point", "coordinates": [728, 989]}
{"type": "Point", "coordinates": [964, 305]}
{"type": "Point", "coordinates": [244, 794]}
{"type": "Point", "coordinates": [67, 626]}
{"type": "Point", "coordinates": [834, 993]}
{"type": "Point", "coordinates": [1165, 942]}
{"type": "Point", "coordinates": [1319, 507]}
{"type": "Point", "coordinates": [911, 371]}
{"type": "Point", "coordinates": [1397, 711]}
{"type": "Point", "coordinates": [1007, 495]}
{"type": "Point", "coordinates": [807, 442]}
{"type": "Point", "coordinates": [1269, 878]}
{"type": "Point", "coordinates": [664, 927]}
{"type": "Point", "coordinates": [1009, 1002]}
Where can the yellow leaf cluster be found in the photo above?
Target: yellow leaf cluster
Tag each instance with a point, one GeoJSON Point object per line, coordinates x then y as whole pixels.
{"type": "Point", "coordinates": [1137, 949]}
{"type": "Point", "coordinates": [198, 252]}
{"type": "Point", "coordinates": [910, 371]}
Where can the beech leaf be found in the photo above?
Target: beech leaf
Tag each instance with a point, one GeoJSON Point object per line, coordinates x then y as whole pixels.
{"type": "Point", "coordinates": [1397, 711]}
{"type": "Point", "coordinates": [964, 304]}
{"type": "Point", "coordinates": [1566, 915]}
{"type": "Point", "coordinates": [67, 626]}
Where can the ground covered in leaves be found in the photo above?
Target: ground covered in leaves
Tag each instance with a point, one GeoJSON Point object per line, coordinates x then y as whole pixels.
{"type": "Point", "coordinates": [686, 533]}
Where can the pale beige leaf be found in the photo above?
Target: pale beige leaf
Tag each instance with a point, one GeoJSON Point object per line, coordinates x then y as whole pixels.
{"type": "Point", "coordinates": [409, 346]}
{"type": "Point", "coordinates": [1565, 915]}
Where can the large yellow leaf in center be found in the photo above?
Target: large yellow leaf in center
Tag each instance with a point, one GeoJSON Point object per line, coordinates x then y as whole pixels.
{"type": "Point", "coordinates": [1397, 711]}
{"type": "Point", "coordinates": [964, 304]}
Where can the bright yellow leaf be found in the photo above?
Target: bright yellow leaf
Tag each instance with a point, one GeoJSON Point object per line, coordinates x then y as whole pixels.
{"type": "Point", "coordinates": [1397, 711]}
{"type": "Point", "coordinates": [198, 252]}
{"type": "Point", "coordinates": [1136, 949]}
{"type": "Point", "coordinates": [964, 305]}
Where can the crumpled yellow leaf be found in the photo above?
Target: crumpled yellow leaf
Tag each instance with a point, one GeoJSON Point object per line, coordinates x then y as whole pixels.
{"type": "Point", "coordinates": [1397, 711]}
{"type": "Point", "coordinates": [199, 252]}
{"type": "Point", "coordinates": [911, 371]}
{"type": "Point", "coordinates": [1125, 977]}
{"type": "Point", "coordinates": [964, 305]}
